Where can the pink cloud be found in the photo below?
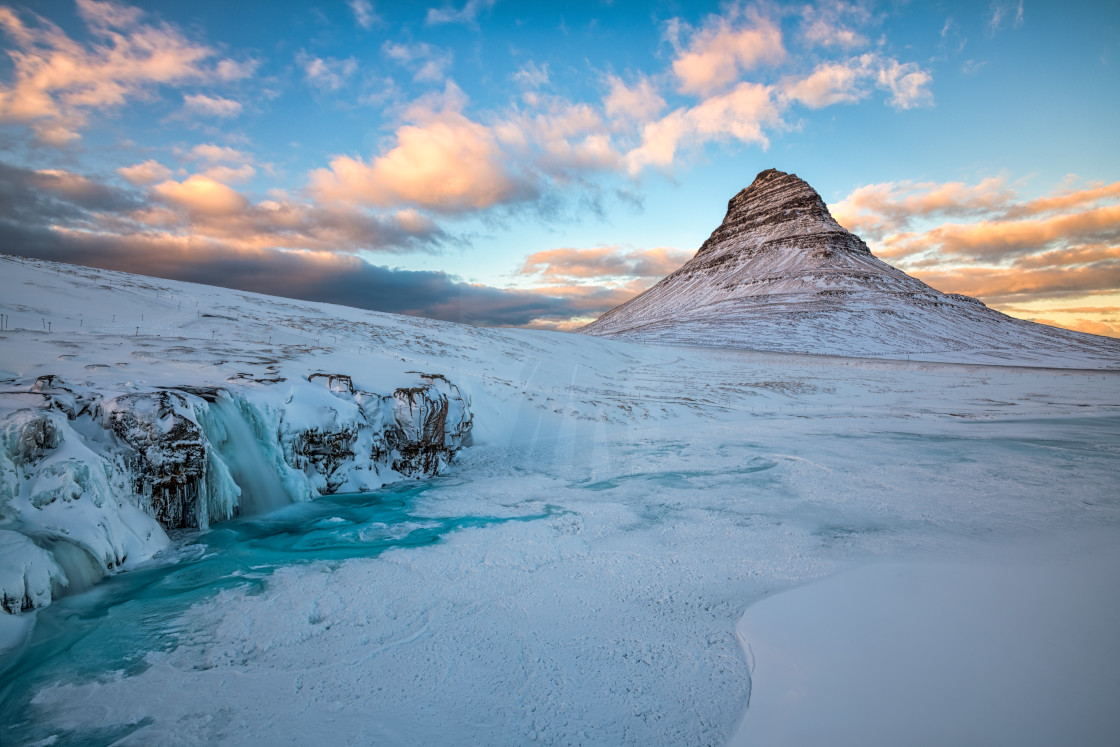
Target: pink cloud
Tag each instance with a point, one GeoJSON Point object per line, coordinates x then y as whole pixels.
{"type": "Point", "coordinates": [722, 48]}
{"type": "Point", "coordinates": [739, 114]}
{"type": "Point", "coordinates": [58, 81]}
{"type": "Point", "coordinates": [638, 103]}
{"type": "Point", "coordinates": [447, 164]}
{"type": "Point", "coordinates": [201, 195]}
{"type": "Point", "coordinates": [148, 172]}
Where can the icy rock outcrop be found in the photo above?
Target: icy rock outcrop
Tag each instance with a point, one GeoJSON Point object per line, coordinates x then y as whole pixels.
{"type": "Point", "coordinates": [433, 422]}
{"type": "Point", "coordinates": [90, 481]}
{"type": "Point", "coordinates": [779, 273]}
{"type": "Point", "coordinates": [170, 468]}
{"type": "Point", "coordinates": [349, 440]}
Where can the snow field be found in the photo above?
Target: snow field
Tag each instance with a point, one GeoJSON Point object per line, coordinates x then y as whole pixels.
{"type": "Point", "coordinates": [661, 491]}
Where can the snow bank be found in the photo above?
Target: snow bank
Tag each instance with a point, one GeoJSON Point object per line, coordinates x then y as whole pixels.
{"type": "Point", "coordinates": [1021, 651]}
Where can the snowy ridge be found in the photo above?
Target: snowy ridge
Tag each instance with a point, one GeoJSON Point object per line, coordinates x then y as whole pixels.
{"type": "Point", "coordinates": [781, 274]}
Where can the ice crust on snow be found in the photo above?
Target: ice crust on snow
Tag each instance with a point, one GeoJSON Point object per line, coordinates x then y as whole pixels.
{"type": "Point", "coordinates": [781, 274]}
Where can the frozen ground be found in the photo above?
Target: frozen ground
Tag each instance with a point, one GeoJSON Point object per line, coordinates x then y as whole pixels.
{"type": "Point", "coordinates": [580, 574]}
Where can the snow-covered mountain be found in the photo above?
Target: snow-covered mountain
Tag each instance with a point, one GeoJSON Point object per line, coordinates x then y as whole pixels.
{"type": "Point", "coordinates": [781, 274]}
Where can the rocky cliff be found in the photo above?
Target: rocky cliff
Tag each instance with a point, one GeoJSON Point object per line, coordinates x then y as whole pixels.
{"type": "Point", "coordinates": [779, 273]}
{"type": "Point", "coordinates": [90, 479]}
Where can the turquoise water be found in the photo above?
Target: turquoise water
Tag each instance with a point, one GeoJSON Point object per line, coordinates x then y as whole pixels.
{"type": "Point", "coordinates": [112, 627]}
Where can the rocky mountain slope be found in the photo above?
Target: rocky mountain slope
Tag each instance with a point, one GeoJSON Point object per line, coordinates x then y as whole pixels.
{"type": "Point", "coordinates": [781, 274]}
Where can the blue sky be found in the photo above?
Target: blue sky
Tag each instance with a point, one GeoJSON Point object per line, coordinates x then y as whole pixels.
{"type": "Point", "coordinates": [513, 163]}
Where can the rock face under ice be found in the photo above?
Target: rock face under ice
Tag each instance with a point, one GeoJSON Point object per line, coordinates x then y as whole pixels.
{"type": "Point", "coordinates": [91, 480]}
{"type": "Point", "coordinates": [781, 274]}
{"type": "Point", "coordinates": [353, 439]}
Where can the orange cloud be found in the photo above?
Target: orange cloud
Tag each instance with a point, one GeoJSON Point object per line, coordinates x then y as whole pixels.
{"type": "Point", "coordinates": [1057, 246]}
{"type": "Point", "coordinates": [1066, 201]}
{"type": "Point", "coordinates": [739, 114]}
{"type": "Point", "coordinates": [448, 164]}
{"type": "Point", "coordinates": [830, 83]}
{"type": "Point", "coordinates": [996, 285]}
{"type": "Point", "coordinates": [1003, 238]}
{"type": "Point", "coordinates": [720, 50]}
{"type": "Point", "coordinates": [58, 81]}
{"type": "Point", "coordinates": [874, 209]}
{"type": "Point", "coordinates": [148, 172]}
{"type": "Point", "coordinates": [201, 195]}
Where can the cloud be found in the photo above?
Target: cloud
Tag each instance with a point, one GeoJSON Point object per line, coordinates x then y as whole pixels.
{"type": "Point", "coordinates": [200, 208]}
{"type": "Point", "coordinates": [364, 13]}
{"type": "Point", "coordinates": [532, 76]}
{"type": "Point", "coordinates": [1001, 11]}
{"type": "Point", "coordinates": [326, 74]}
{"type": "Point", "coordinates": [638, 103]}
{"type": "Point", "coordinates": [725, 46]}
{"type": "Point", "coordinates": [428, 63]}
{"type": "Point", "coordinates": [830, 83]}
{"type": "Point", "coordinates": [984, 240]}
{"type": "Point", "coordinates": [58, 81]}
{"type": "Point", "coordinates": [467, 15]}
{"type": "Point", "coordinates": [998, 239]}
{"type": "Point", "coordinates": [230, 70]}
{"type": "Point", "coordinates": [211, 153]}
{"type": "Point", "coordinates": [829, 24]}
{"type": "Point", "coordinates": [211, 106]}
{"type": "Point", "coordinates": [907, 83]}
{"type": "Point", "coordinates": [849, 81]}
{"type": "Point", "coordinates": [1015, 285]}
{"type": "Point", "coordinates": [148, 172]}
{"type": "Point", "coordinates": [231, 174]}
{"type": "Point", "coordinates": [202, 195]}
{"type": "Point", "coordinates": [442, 161]}
{"type": "Point", "coordinates": [874, 210]}
{"type": "Point", "coordinates": [739, 114]}
{"type": "Point", "coordinates": [567, 264]}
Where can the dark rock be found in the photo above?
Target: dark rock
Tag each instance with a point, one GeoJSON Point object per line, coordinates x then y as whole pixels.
{"type": "Point", "coordinates": [170, 449]}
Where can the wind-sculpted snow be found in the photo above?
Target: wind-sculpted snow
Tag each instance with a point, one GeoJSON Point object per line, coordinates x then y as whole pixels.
{"type": "Point", "coordinates": [781, 274]}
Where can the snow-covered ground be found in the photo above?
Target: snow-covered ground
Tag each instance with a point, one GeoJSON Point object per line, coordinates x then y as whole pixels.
{"type": "Point", "coordinates": [581, 573]}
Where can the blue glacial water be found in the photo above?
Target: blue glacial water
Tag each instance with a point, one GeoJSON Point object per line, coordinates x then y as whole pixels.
{"type": "Point", "coordinates": [111, 627]}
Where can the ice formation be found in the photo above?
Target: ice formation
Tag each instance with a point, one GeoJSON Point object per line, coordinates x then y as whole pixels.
{"type": "Point", "coordinates": [92, 479]}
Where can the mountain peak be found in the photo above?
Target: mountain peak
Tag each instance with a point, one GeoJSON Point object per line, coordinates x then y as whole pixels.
{"type": "Point", "coordinates": [776, 205]}
{"type": "Point", "coordinates": [779, 273]}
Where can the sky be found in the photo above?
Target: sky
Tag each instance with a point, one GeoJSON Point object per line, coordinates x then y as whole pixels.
{"type": "Point", "coordinates": [527, 164]}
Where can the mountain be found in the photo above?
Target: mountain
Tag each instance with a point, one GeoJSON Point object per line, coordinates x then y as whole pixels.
{"type": "Point", "coordinates": [781, 274]}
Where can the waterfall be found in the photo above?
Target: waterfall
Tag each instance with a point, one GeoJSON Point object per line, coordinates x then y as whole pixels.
{"type": "Point", "coordinates": [261, 488]}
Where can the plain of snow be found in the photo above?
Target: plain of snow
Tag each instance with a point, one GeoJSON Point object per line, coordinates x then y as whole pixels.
{"type": "Point", "coordinates": [593, 559]}
{"type": "Point", "coordinates": [1015, 650]}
